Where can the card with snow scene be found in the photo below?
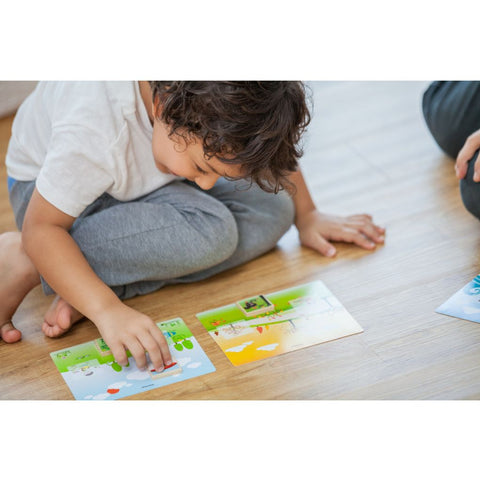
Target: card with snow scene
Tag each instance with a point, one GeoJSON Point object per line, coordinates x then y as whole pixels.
{"type": "Point", "coordinates": [91, 373]}
{"type": "Point", "coordinates": [264, 326]}
{"type": "Point", "coordinates": [465, 303]}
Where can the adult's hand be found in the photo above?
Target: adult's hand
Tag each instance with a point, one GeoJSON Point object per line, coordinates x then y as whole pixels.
{"type": "Point", "coordinates": [466, 154]}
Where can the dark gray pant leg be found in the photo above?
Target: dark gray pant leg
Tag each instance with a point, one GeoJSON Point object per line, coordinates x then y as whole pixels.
{"type": "Point", "coordinates": [452, 113]}
{"type": "Point", "coordinates": [470, 190]}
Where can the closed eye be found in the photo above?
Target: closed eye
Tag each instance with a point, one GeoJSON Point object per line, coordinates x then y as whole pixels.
{"type": "Point", "coordinates": [203, 172]}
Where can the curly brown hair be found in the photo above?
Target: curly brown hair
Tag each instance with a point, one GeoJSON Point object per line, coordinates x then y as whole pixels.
{"type": "Point", "coordinates": [257, 124]}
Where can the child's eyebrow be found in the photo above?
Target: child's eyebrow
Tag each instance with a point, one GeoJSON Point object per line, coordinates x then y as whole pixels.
{"type": "Point", "coordinates": [215, 171]}
{"type": "Point", "coordinates": [212, 169]}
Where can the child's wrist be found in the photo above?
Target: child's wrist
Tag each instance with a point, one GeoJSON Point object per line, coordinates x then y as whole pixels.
{"type": "Point", "coordinates": [105, 311]}
{"type": "Point", "coordinates": [302, 216]}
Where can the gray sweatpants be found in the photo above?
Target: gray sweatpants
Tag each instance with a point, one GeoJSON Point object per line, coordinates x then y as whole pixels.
{"type": "Point", "coordinates": [176, 234]}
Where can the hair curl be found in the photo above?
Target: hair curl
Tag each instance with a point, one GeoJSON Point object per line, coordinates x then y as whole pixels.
{"type": "Point", "coordinates": [255, 124]}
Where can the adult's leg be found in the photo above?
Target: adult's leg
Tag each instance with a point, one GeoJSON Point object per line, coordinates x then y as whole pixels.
{"type": "Point", "coordinates": [136, 247]}
{"type": "Point", "coordinates": [452, 113]}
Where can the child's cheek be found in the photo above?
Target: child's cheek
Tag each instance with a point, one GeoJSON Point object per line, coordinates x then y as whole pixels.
{"type": "Point", "coordinates": [158, 157]}
{"type": "Point", "coordinates": [162, 168]}
{"type": "Point", "coordinates": [159, 162]}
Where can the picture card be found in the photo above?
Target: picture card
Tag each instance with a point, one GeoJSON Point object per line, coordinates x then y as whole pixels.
{"type": "Point", "coordinates": [91, 373]}
{"type": "Point", "coordinates": [465, 303]}
{"type": "Point", "coordinates": [266, 325]}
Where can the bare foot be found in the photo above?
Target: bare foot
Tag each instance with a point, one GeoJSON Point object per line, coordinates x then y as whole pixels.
{"type": "Point", "coordinates": [59, 318]}
{"type": "Point", "coordinates": [18, 276]}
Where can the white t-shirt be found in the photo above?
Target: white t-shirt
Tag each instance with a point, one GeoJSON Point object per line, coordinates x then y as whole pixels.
{"type": "Point", "coordinates": [82, 139]}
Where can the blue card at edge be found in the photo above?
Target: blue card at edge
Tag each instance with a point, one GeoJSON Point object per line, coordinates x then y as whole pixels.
{"type": "Point", "coordinates": [464, 304]}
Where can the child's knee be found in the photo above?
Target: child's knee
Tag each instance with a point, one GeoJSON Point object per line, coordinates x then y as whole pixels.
{"type": "Point", "coordinates": [276, 215]}
{"type": "Point", "coordinates": [221, 240]}
{"type": "Point", "coordinates": [470, 190]}
{"type": "Point", "coordinates": [215, 241]}
{"type": "Point", "coordinates": [283, 212]}
{"type": "Point", "coordinates": [211, 237]}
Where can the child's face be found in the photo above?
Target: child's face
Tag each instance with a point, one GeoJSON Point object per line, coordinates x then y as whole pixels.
{"type": "Point", "coordinates": [174, 155]}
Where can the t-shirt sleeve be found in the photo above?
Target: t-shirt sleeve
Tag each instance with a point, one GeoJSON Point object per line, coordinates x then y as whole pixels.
{"type": "Point", "coordinates": [75, 172]}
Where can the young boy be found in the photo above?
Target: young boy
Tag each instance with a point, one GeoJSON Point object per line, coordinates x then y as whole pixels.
{"type": "Point", "coordinates": [118, 188]}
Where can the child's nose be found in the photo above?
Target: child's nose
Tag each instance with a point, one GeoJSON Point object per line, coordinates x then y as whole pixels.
{"type": "Point", "coordinates": [206, 182]}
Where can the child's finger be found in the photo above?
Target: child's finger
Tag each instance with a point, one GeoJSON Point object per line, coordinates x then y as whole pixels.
{"type": "Point", "coordinates": [138, 353]}
{"type": "Point", "coordinates": [361, 217]}
{"type": "Point", "coordinates": [119, 353]}
{"type": "Point", "coordinates": [365, 222]}
{"type": "Point", "coordinates": [362, 241]}
{"type": "Point", "coordinates": [353, 235]}
{"type": "Point", "coordinates": [371, 232]}
{"type": "Point", "coordinates": [323, 246]}
{"type": "Point", "coordinates": [162, 343]}
{"type": "Point", "coordinates": [154, 351]}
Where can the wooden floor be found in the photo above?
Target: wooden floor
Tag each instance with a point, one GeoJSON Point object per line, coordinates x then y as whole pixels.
{"type": "Point", "coordinates": [368, 150]}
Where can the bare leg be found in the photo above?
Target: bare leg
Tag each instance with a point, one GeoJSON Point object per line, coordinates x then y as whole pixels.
{"type": "Point", "coordinates": [18, 276]}
{"type": "Point", "coordinates": [59, 318]}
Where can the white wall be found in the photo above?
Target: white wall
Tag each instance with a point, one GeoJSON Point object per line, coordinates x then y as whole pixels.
{"type": "Point", "coordinates": [12, 95]}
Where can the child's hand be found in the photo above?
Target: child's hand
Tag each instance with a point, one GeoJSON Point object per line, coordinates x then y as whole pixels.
{"type": "Point", "coordinates": [465, 155]}
{"type": "Point", "coordinates": [315, 229]}
{"type": "Point", "coordinates": [123, 328]}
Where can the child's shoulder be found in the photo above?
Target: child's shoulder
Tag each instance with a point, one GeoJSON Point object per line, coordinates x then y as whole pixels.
{"type": "Point", "coordinates": [82, 103]}
{"type": "Point", "coordinates": [85, 92]}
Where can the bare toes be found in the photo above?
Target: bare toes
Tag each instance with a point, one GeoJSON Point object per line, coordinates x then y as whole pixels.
{"type": "Point", "coordinates": [10, 334]}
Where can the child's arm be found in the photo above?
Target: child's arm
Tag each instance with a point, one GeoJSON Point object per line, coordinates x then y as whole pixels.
{"type": "Point", "coordinates": [60, 261]}
{"type": "Point", "coordinates": [316, 228]}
